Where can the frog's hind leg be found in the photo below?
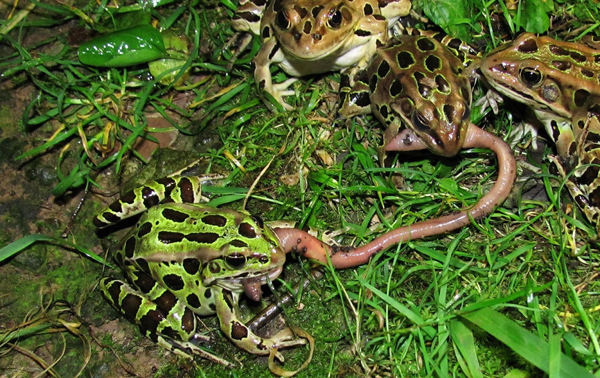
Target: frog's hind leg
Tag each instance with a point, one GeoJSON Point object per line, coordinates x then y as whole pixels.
{"type": "Point", "coordinates": [160, 315]}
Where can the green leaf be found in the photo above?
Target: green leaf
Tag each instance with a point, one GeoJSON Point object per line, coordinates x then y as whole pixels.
{"type": "Point", "coordinates": [462, 337]}
{"type": "Point", "coordinates": [128, 47]}
{"type": "Point", "coordinates": [535, 13]}
{"type": "Point", "coordinates": [23, 243]}
{"type": "Point", "coordinates": [450, 15]}
{"type": "Point", "coordinates": [524, 343]}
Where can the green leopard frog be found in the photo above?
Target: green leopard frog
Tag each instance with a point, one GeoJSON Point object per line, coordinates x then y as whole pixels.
{"type": "Point", "coordinates": [417, 87]}
{"type": "Point", "coordinates": [560, 82]}
{"type": "Point", "coordinates": [306, 37]}
{"type": "Point", "coordinates": [185, 259]}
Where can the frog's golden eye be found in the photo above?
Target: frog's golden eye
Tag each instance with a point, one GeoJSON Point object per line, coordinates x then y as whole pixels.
{"type": "Point", "coordinates": [236, 260]}
{"type": "Point", "coordinates": [335, 18]}
{"type": "Point", "coordinates": [283, 19]}
{"type": "Point", "coordinates": [531, 76]}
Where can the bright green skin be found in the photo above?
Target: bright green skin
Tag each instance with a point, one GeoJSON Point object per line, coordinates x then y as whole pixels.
{"type": "Point", "coordinates": [187, 259]}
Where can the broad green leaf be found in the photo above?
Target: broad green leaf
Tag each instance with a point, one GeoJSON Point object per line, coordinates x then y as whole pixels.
{"type": "Point", "coordinates": [128, 47]}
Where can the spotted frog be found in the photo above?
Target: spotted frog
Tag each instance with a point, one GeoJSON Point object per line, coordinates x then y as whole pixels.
{"type": "Point", "coordinates": [560, 82]}
{"type": "Point", "coordinates": [306, 37]}
{"type": "Point", "coordinates": [185, 259]}
{"type": "Point", "coordinates": [418, 88]}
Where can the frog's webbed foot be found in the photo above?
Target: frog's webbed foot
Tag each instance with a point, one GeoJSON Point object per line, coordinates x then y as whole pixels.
{"type": "Point", "coordinates": [280, 90]}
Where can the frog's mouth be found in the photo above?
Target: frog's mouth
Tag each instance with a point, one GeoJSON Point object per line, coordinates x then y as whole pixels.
{"type": "Point", "coordinates": [250, 285]}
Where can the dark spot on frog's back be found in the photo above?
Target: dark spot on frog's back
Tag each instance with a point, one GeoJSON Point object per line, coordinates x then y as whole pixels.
{"type": "Point", "coordinates": [174, 215]}
{"type": "Point", "coordinates": [167, 237]}
{"type": "Point", "coordinates": [373, 83]}
{"type": "Point", "coordinates": [316, 10]}
{"type": "Point", "coordinates": [307, 27]}
{"type": "Point", "coordinates": [193, 300]}
{"type": "Point", "coordinates": [425, 44]}
{"type": "Point", "coordinates": [433, 62]}
{"type": "Point", "coordinates": [215, 220]}
{"type": "Point", "coordinates": [405, 59]}
{"type": "Point", "coordinates": [191, 266]}
{"type": "Point", "coordinates": [396, 88]}
{"type": "Point", "coordinates": [580, 97]}
{"type": "Point", "coordinates": [144, 229]}
{"type": "Point", "coordinates": [528, 46]}
{"type": "Point", "coordinates": [202, 237]}
{"type": "Point", "coordinates": [368, 9]}
{"type": "Point", "coordinates": [578, 57]}
{"type": "Point", "coordinates": [173, 281]}
{"type": "Point", "coordinates": [557, 50]}
{"type": "Point", "coordinates": [587, 73]}
{"type": "Point", "coordinates": [384, 69]}
{"type": "Point", "coordinates": [561, 65]}
{"type": "Point", "coordinates": [247, 230]}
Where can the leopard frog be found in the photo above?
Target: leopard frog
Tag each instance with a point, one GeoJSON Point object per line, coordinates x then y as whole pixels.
{"type": "Point", "coordinates": [560, 82]}
{"type": "Point", "coordinates": [418, 82]}
{"type": "Point", "coordinates": [185, 259]}
{"type": "Point", "coordinates": [306, 37]}
{"type": "Point", "coordinates": [416, 86]}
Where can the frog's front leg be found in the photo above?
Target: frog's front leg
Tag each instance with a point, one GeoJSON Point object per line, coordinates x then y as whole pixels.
{"type": "Point", "coordinates": [580, 169]}
{"type": "Point", "coordinates": [248, 16]}
{"type": "Point", "coordinates": [269, 53]}
{"type": "Point", "coordinates": [227, 307]}
{"type": "Point", "coordinates": [160, 315]}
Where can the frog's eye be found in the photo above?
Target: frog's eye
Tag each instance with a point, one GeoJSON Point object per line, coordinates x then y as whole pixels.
{"type": "Point", "coordinates": [236, 260]}
{"type": "Point", "coordinates": [531, 76]}
{"type": "Point", "coordinates": [335, 18]}
{"type": "Point", "coordinates": [420, 122]}
{"type": "Point", "coordinates": [282, 19]}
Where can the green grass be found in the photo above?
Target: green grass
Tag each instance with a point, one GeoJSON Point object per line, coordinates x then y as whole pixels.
{"type": "Point", "coordinates": [513, 294]}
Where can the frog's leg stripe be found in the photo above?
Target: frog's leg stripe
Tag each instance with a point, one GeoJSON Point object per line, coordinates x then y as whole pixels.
{"type": "Point", "coordinates": [170, 189]}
